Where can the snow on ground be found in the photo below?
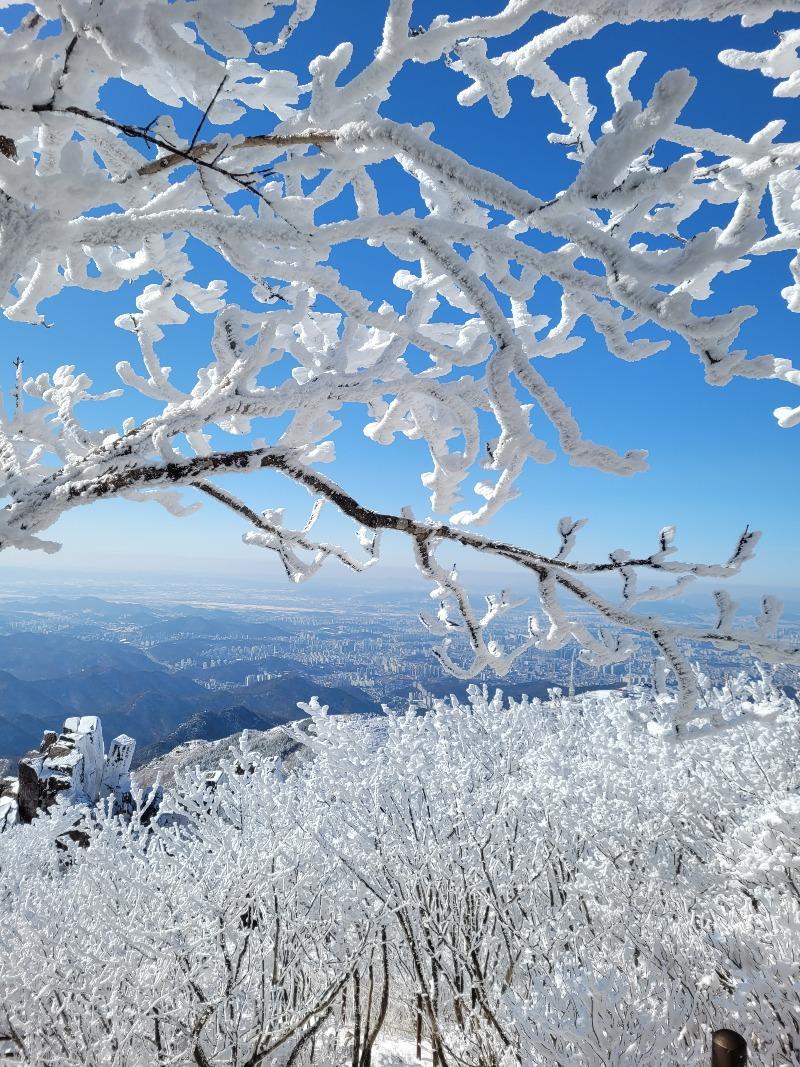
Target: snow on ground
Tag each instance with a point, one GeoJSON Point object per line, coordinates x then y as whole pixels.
{"type": "Point", "coordinates": [400, 1052]}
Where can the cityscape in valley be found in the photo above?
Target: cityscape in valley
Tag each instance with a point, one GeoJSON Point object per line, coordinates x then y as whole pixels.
{"type": "Point", "coordinates": [172, 664]}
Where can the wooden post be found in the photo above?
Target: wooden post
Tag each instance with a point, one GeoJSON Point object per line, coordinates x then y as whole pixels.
{"type": "Point", "coordinates": [419, 1027]}
{"type": "Point", "coordinates": [728, 1049]}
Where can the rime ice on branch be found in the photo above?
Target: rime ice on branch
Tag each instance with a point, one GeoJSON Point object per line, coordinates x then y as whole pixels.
{"type": "Point", "coordinates": [494, 869]}
{"type": "Point", "coordinates": [92, 198]}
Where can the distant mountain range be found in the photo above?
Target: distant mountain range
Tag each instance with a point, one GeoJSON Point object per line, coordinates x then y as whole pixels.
{"type": "Point", "coordinates": [35, 656]}
{"type": "Point", "coordinates": [154, 705]}
{"type": "Point", "coordinates": [204, 726]}
{"type": "Point", "coordinates": [175, 677]}
{"type": "Point", "coordinates": [89, 664]}
{"type": "Point", "coordinates": [262, 707]}
{"type": "Point", "coordinates": [67, 655]}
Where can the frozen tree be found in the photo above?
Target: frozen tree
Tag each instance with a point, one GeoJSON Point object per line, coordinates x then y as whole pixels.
{"type": "Point", "coordinates": [492, 874]}
{"type": "Point", "coordinates": [282, 169]}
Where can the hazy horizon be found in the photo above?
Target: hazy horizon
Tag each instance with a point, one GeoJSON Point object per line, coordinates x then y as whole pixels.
{"type": "Point", "coordinates": [249, 589]}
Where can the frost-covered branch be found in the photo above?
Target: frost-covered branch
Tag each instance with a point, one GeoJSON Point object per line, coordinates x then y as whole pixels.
{"type": "Point", "coordinates": [278, 171]}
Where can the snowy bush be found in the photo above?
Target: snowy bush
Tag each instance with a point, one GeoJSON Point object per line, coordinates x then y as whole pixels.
{"type": "Point", "coordinates": [541, 883]}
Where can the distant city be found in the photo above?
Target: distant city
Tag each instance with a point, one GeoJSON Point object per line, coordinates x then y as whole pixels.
{"type": "Point", "coordinates": [169, 663]}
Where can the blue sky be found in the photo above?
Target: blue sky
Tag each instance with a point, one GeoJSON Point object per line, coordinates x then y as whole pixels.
{"type": "Point", "coordinates": [718, 460]}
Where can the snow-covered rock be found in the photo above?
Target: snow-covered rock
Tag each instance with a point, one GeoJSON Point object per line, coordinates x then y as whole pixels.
{"type": "Point", "coordinates": [116, 770]}
{"type": "Point", "coordinates": [72, 765]}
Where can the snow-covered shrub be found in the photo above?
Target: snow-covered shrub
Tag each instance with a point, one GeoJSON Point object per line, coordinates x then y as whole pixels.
{"type": "Point", "coordinates": [543, 883]}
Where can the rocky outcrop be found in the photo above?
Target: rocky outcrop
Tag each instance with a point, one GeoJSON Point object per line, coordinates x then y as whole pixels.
{"type": "Point", "coordinates": [204, 756]}
{"type": "Point", "coordinates": [9, 790]}
{"type": "Point", "coordinates": [73, 765]}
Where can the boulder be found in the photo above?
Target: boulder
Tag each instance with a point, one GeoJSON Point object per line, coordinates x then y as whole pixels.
{"type": "Point", "coordinates": [87, 735]}
{"type": "Point", "coordinates": [49, 737]}
{"type": "Point", "coordinates": [72, 765]}
{"type": "Point", "coordinates": [39, 788]}
{"type": "Point", "coordinates": [9, 813]}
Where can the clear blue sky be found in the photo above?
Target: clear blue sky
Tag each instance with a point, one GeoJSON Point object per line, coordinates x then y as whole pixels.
{"type": "Point", "coordinates": [718, 460]}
